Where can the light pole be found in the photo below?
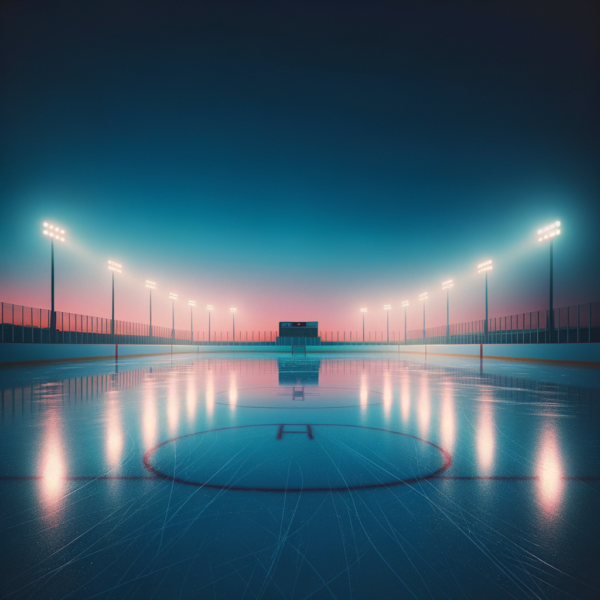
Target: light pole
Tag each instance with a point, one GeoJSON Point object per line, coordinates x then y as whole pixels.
{"type": "Point", "coordinates": [446, 285]}
{"type": "Point", "coordinates": [549, 233]}
{"type": "Point", "coordinates": [114, 267]}
{"type": "Point", "coordinates": [387, 308]}
{"type": "Point", "coordinates": [233, 315]}
{"type": "Point", "coordinates": [423, 297]}
{"type": "Point", "coordinates": [54, 233]}
{"type": "Point", "coordinates": [484, 267]}
{"type": "Point", "coordinates": [173, 298]}
{"type": "Point", "coordinates": [191, 304]}
{"type": "Point", "coordinates": [151, 285]}
{"type": "Point", "coordinates": [209, 308]}
{"type": "Point", "coordinates": [404, 305]}
{"type": "Point", "coordinates": [363, 311]}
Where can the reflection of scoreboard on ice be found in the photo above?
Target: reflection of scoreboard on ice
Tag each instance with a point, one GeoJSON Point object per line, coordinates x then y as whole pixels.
{"type": "Point", "coordinates": [299, 332]}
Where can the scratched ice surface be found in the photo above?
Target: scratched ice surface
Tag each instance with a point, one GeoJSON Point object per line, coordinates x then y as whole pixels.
{"type": "Point", "coordinates": [275, 477]}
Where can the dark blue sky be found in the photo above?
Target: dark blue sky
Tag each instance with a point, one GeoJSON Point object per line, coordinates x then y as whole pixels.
{"type": "Point", "coordinates": [300, 160]}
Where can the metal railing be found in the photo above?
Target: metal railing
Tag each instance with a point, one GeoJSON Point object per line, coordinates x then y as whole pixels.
{"type": "Point", "coordinates": [24, 324]}
{"type": "Point", "coordinates": [572, 324]}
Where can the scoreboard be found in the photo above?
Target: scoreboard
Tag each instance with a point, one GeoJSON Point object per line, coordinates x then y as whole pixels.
{"type": "Point", "coordinates": [299, 329]}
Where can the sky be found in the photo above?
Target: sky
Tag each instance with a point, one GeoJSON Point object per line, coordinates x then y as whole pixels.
{"type": "Point", "coordinates": [299, 160]}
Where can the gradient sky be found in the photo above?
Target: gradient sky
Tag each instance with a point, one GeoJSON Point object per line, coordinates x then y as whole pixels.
{"type": "Point", "coordinates": [299, 160]}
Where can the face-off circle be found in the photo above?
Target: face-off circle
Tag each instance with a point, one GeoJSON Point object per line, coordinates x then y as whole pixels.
{"type": "Point", "coordinates": [297, 458]}
{"type": "Point", "coordinates": [300, 398]}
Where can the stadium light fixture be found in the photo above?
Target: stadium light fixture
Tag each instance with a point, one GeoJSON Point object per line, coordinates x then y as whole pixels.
{"type": "Point", "coordinates": [363, 311]}
{"type": "Point", "coordinates": [209, 308]}
{"type": "Point", "coordinates": [52, 232]}
{"type": "Point", "coordinates": [191, 304]}
{"type": "Point", "coordinates": [447, 285]}
{"type": "Point", "coordinates": [404, 305]}
{"type": "Point", "coordinates": [114, 267]}
{"type": "Point", "coordinates": [151, 285]}
{"type": "Point", "coordinates": [424, 297]}
{"type": "Point", "coordinates": [387, 308]}
{"type": "Point", "coordinates": [549, 233]}
{"type": "Point", "coordinates": [233, 310]}
{"type": "Point", "coordinates": [173, 297]}
{"type": "Point", "coordinates": [484, 267]}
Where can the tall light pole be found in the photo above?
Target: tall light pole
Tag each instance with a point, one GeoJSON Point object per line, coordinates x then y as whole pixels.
{"type": "Point", "coordinates": [549, 233]}
{"type": "Point", "coordinates": [387, 308]}
{"type": "Point", "coordinates": [151, 285]}
{"type": "Point", "coordinates": [54, 233]}
{"type": "Point", "coordinates": [233, 315]}
{"type": "Point", "coordinates": [363, 311]}
{"type": "Point", "coordinates": [404, 305]}
{"type": "Point", "coordinates": [114, 267]}
{"type": "Point", "coordinates": [446, 285]}
{"type": "Point", "coordinates": [173, 298]}
{"type": "Point", "coordinates": [191, 304]}
{"type": "Point", "coordinates": [209, 308]}
{"type": "Point", "coordinates": [484, 267]}
{"type": "Point", "coordinates": [423, 297]}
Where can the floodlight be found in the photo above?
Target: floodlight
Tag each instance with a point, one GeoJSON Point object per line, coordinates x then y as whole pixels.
{"type": "Point", "coordinates": [150, 284]}
{"type": "Point", "coordinates": [233, 309]}
{"type": "Point", "coordinates": [405, 303]}
{"type": "Point", "coordinates": [191, 303]}
{"type": "Point", "coordinates": [446, 285]}
{"type": "Point", "coordinates": [54, 232]}
{"type": "Point", "coordinates": [173, 296]}
{"type": "Point", "coordinates": [363, 310]}
{"type": "Point", "coordinates": [114, 266]}
{"type": "Point", "coordinates": [549, 232]}
{"type": "Point", "coordinates": [484, 266]}
{"type": "Point", "coordinates": [423, 296]}
{"type": "Point", "coordinates": [210, 307]}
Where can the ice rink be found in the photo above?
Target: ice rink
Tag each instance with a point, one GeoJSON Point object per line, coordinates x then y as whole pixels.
{"type": "Point", "coordinates": [271, 476]}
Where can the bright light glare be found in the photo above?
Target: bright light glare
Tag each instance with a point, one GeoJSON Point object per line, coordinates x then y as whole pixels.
{"type": "Point", "coordinates": [484, 266]}
{"type": "Point", "coordinates": [549, 231]}
{"type": "Point", "coordinates": [405, 303]}
{"type": "Point", "coordinates": [446, 285]}
{"type": "Point", "coordinates": [363, 310]}
{"type": "Point", "coordinates": [114, 266]}
{"type": "Point", "coordinates": [150, 284]}
{"type": "Point", "coordinates": [423, 296]}
{"type": "Point", "coordinates": [173, 296]}
{"type": "Point", "coordinates": [53, 231]}
{"type": "Point", "coordinates": [210, 307]}
{"type": "Point", "coordinates": [387, 307]}
{"type": "Point", "coordinates": [192, 303]}
{"type": "Point", "coordinates": [233, 309]}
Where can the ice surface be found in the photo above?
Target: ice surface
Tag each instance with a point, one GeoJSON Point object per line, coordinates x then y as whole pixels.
{"type": "Point", "coordinates": [267, 476]}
